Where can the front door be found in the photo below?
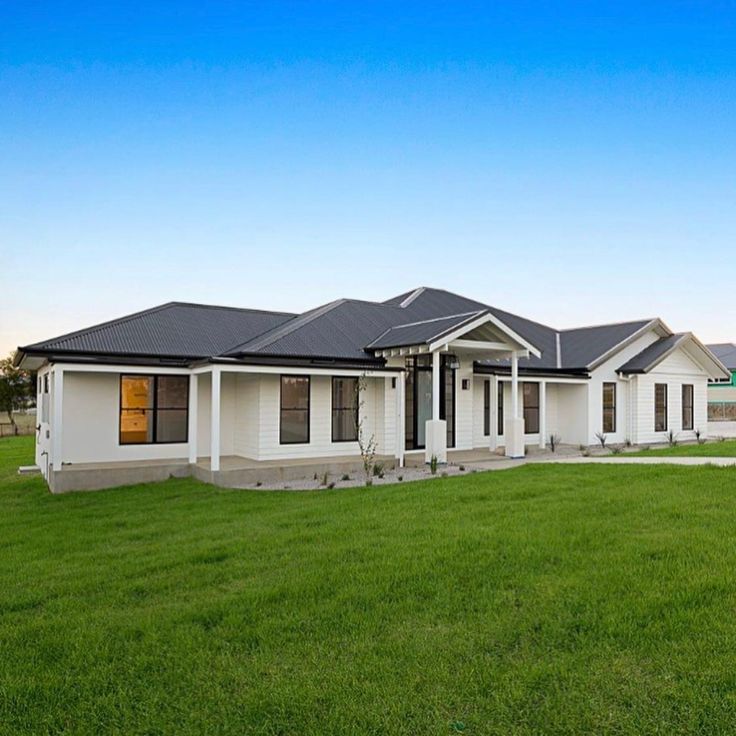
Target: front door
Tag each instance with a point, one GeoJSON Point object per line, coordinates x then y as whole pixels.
{"type": "Point", "coordinates": [418, 407]}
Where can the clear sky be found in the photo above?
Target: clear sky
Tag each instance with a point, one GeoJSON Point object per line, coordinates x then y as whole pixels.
{"type": "Point", "coordinates": [572, 162]}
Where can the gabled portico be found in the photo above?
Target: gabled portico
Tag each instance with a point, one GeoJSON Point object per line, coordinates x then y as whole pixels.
{"type": "Point", "coordinates": [450, 341]}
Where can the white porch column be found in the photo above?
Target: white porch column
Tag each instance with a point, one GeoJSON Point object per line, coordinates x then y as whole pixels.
{"type": "Point", "coordinates": [514, 424]}
{"type": "Point", "coordinates": [215, 421]}
{"type": "Point", "coordinates": [542, 415]}
{"type": "Point", "coordinates": [193, 424]}
{"type": "Point", "coordinates": [400, 417]}
{"type": "Point", "coordinates": [493, 419]}
{"type": "Point", "coordinates": [435, 440]}
{"type": "Point", "coordinates": [58, 426]}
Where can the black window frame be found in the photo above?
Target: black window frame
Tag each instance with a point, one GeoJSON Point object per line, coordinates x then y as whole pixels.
{"type": "Point", "coordinates": [612, 408]}
{"type": "Point", "coordinates": [355, 409]}
{"type": "Point", "coordinates": [154, 409]}
{"type": "Point", "coordinates": [688, 388]}
{"type": "Point", "coordinates": [282, 410]}
{"type": "Point", "coordinates": [531, 410]}
{"type": "Point", "coordinates": [486, 408]}
{"type": "Point", "coordinates": [665, 408]}
{"type": "Point", "coordinates": [499, 409]}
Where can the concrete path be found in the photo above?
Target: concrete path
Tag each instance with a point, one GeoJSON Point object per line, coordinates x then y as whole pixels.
{"type": "Point", "coordinates": [648, 460]}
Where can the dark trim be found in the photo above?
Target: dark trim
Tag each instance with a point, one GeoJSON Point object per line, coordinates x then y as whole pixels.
{"type": "Point", "coordinates": [691, 387]}
{"type": "Point", "coordinates": [666, 407]}
{"type": "Point", "coordinates": [154, 409]}
{"type": "Point", "coordinates": [332, 407]}
{"type": "Point", "coordinates": [488, 370]}
{"type": "Point", "coordinates": [603, 406]}
{"type": "Point", "coordinates": [309, 409]}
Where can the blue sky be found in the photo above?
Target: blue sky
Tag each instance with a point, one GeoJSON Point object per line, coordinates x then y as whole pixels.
{"type": "Point", "coordinates": [572, 162]}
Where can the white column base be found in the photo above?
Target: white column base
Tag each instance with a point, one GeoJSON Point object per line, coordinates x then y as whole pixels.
{"type": "Point", "coordinates": [435, 440]}
{"type": "Point", "coordinates": [513, 430]}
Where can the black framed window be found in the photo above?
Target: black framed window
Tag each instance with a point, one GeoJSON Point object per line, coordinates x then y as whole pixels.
{"type": "Point", "coordinates": [486, 408]}
{"type": "Point", "coordinates": [499, 410]}
{"type": "Point", "coordinates": [345, 405]}
{"type": "Point", "coordinates": [688, 421]}
{"type": "Point", "coordinates": [660, 407]}
{"type": "Point", "coordinates": [531, 407]}
{"type": "Point", "coordinates": [294, 416]}
{"type": "Point", "coordinates": [609, 407]}
{"type": "Point", "coordinates": [153, 409]}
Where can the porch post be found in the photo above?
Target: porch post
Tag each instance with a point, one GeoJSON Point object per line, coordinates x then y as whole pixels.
{"type": "Point", "coordinates": [542, 415]}
{"type": "Point", "coordinates": [435, 429]}
{"type": "Point", "coordinates": [58, 425]}
{"type": "Point", "coordinates": [493, 419]}
{"type": "Point", "coordinates": [400, 420]}
{"type": "Point", "coordinates": [514, 425]}
{"type": "Point", "coordinates": [215, 421]}
{"type": "Point", "coordinates": [436, 386]}
{"type": "Point", "coordinates": [193, 424]}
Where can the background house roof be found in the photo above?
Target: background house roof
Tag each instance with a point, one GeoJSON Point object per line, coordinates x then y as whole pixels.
{"type": "Point", "coordinates": [726, 353]}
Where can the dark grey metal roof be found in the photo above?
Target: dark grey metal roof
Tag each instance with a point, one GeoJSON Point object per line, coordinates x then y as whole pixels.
{"type": "Point", "coordinates": [346, 329]}
{"type": "Point", "coordinates": [581, 347]}
{"type": "Point", "coordinates": [726, 353]}
{"type": "Point", "coordinates": [173, 330]}
{"type": "Point", "coordinates": [642, 361]}
{"type": "Point", "coordinates": [420, 333]}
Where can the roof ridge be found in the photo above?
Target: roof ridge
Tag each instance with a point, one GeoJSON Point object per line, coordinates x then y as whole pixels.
{"type": "Point", "coordinates": [611, 324]}
{"type": "Point", "coordinates": [276, 333]}
{"type": "Point", "coordinates": [414, 294]}
{"type": "Point", "coordinates": [199, 305]}
{"type": "Point", "coordinates": [437, 319]}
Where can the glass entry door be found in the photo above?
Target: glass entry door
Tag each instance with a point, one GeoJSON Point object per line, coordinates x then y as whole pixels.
{"type": "Point", "coordinates": [418, 407]}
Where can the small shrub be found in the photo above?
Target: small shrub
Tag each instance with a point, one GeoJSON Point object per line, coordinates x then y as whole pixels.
{"type": "Point", "coordinates": [433, 465]}
{"type": "Point", "coordinates": [369, 481]}
{"type": "Point", "coordinates": [258, 484]}
{"type": "Point", "coordinates": [443, 474]}
{"type": "Point", "coordinates": [672, 439]}
{"type": "Point", "coordinates": [616, 449]}
{"type": "Point", "coordinates": [462, 468]}
{"type": "Point", "coordinates": [345, 476]}
{"type": "Point", "coordinates": [378, 470]}
{"type": "Point", "coordinates": [315, 476]}
{"type": "Point", "coordinates": [554, 441]}
{"type": "Point", "coordinates": [602, 437]}
{"type": "Point", "coordinates": [582, 448]}
{"type": "Point", "coordinates": [325, 479]}
{"type": "Point", "coordinates": [721, 439]}
{"type": "Point", "coordinates": [699, 437]}
{"type": "Point", "coordinates": [627, 442]}
{"type": "Point", "coordinates": [586, 452]}
{"type": "Point", "coordinates": [400, 478]}
{"type": "Point", "coordinates": [381, 474]}
{"type": "Point", "coordinates": [331, 485]}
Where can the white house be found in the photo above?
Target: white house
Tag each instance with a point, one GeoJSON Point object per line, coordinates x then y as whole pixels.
{"type": "Point", "coordinates": [225, 394]}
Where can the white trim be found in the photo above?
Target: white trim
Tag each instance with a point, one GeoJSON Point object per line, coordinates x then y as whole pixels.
{"type": "Point", "coordinates": [193, 408]}
{"type": "Point", "coordinates": [58, 425]}
{"type": "Point", "coordinates": [297, 371]}
{"type": "Point", "coordinates": [215, 421]}
{"type": "Point", "coordinates": [651, 325]}
{"type": "Point", "coordinates": [480, 345]}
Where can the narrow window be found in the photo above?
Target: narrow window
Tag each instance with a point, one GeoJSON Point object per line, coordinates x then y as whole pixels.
{"type": "Point", "coordinates": [660, 407]}
{"type": "Point", "coordinates": [609, 407]}
{"type": "Point", "coordinates": [486, 408]}
{"type": "Point", "coordinates": [294, 410]}
{"type": "Point", "coordinates": [499, 411]}
{"type": "Point", "coordinates": [344, 409]}
{"type": "Point", "coordinates": [153, 409]}
{"type": "Point", "coordinates": [531, 407]}
{"type": "Point", "coordinates": [687, 406]}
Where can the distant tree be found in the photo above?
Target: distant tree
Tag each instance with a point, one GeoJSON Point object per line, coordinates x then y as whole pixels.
{"type": "Point", "coordinates": [16, 389]}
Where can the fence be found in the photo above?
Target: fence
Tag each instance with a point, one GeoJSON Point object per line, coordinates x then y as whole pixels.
{"type": "Point", "coordinates": [722, 411]}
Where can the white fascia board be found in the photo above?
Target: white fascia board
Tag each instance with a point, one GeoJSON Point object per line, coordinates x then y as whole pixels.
{"type": "Point", "coordinates": [708, 362]}
{"type": "Point", "coordinates": [122, 368]}
{"type": "Point", "coordinates": [655, 324]}
{"type": "Point", "coordinates": [483, 319]}
{"type": "Point", "coordinates": [299, 370]}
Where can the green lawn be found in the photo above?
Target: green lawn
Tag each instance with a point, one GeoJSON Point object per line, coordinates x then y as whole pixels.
{"type": "Point", "coordinates": [726, 448]}
{"type": "Point", "coordinates": [545, 599]}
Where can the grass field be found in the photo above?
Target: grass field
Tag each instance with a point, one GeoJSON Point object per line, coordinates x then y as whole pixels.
{"type": "Point", "coordinates": [545, 599]}
{"type": "Point", "coordinates": [726, 448]}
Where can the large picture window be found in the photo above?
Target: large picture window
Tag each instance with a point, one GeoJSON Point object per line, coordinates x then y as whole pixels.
{"type": "Point", "coordinates": [294, 424]}
{"type": "Point", "coordinates": [531, 407]}
{"type": "Point", "coordinates": [153, 409]}
{"type": "Point", "coordinates": [687, 406]}
{"type": "Point", "coordinates": [660, 407]}
{"type": "Point", "coordinates": [609, 407]}
{"type": "Point", "coordinates": [344, 409]}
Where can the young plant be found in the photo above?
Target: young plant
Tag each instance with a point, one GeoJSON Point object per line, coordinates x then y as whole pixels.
{"type": "Point", "coordinates": [554, 441]}
{"type": "Point", "coordinates": [672, 439]}
{"type": "Point", "coordinates": [433, 465]}
{"type": "Point", "coordinates": [345, 476]}
{"type": "Point", "coordinates": [367, 443]}
{"type": "Point", "coordinates": [616, 449]}
{"type": "Point", "coordinates": [602, 437]}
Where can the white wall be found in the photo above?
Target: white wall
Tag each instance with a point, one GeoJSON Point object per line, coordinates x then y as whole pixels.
{"type": "Point", "coordinates": [675, 370]}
